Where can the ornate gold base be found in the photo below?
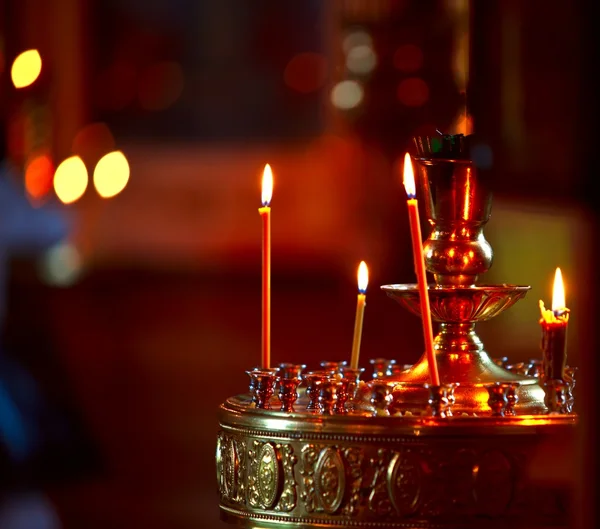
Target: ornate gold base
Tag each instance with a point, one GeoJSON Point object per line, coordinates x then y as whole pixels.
{"type": "Point", "coordinates": [311, 470]}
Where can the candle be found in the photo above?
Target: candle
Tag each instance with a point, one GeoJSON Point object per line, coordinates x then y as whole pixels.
{"type": "Point", "coordinates": [419, 260]}
{"type": "Point", "coordinates": [554, 332]}
{"type": "Point", "coordinates": [265, 213]}
{"type": "Point", "coordinates": [363, 281]}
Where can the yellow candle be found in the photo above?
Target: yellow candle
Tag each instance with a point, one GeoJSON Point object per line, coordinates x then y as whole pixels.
{"type": "Point", "coordinates": [554, 332]}
{"type": "Point", "coordinates": [363, 281]}
{"type": "Point", "coordinates": [265, 213]}
{"type": "Point", "coordinates": [417, 245]}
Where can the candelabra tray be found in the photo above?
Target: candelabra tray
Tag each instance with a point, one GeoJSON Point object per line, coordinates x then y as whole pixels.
{"type": "Point", "coordinates": [304, 469]}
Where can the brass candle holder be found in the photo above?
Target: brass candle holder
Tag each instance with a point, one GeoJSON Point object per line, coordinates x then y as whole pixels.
{"type": "Point", "coordinates": [390, 450]}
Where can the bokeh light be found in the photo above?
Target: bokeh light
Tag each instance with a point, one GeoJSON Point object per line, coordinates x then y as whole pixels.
{"type": "Point", "coordinates": [26, 68]}
{"type": "Point", "coordinates": [413, 92]}
{"type": "Point", "coordinates": [356, 37]}
{"type": "Point", "coordinates": [361, 59]}
{"type": "Point", "coordinates": [39, 171]}
{"type": "Point", "coordinates": [160, 85]}
{"type": "Point", "coordinates": [70, 180]}
{"type": "Point", "coordinates": [62, 265]}
{"type": "Point", "coordinates": [306, 72]}
{"type": "Point", "coordinates": [111, 174]}
{"type": "Point", "coordinates": [347, 94]}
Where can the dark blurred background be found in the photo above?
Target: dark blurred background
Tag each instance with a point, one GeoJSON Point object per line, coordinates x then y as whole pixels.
{"type": "Point", "coordinates": [133, 137]}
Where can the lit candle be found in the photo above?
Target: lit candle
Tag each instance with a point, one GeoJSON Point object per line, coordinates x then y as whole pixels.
{"type": "Point", "coordinates": [554, 332]}
{"type": "Point", "coordinates": [363, 281]}
{"type": "Point", "coordinates": [265, 213]}
{"type": "Point", "coordinates": [417, 244]}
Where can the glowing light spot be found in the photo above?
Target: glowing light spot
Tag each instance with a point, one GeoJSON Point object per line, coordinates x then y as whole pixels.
{"type": "Point", "coordinates": [70, 180]}
{"type": "Point", "coordinates": [355, 38]}
{"type": "Point", "coordinates": [347, 94]}
{"type": "Point", "coordinates": [413, 92]}
{"type": "Point", "coordinates": [111, 174]}
{"type": "Point", "coordinates": [306, 72]}
{"type": "Point", "coordinates": [160, 86]}
{"type": "Point", "coordinates": [62, 265]}
{"type": "Point", "coordinates": [361, 59]}
{"type": "Point", "coordinates": [408, 58]}
{"type": "Point", "coordinates": [26, 68]}
{"type": "Point", "coordinates": [38, 176]}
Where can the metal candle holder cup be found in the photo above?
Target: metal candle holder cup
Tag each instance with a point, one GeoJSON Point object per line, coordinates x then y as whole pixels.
{"type": "Point", "coordinates": [556, 395]}
{"type": "Point", "coordinates": [289, 370]}
{"type": "Point", "coordinates": [353, 376]}
{"type": "Point", "coordinates": [333, 367]}
{"type": "Point", "coordinates": [262, 385]}
{"type": "Point", "coordinates": [313, 381]}
{"type": "Point", "coordinates": [382, 367]}
{"type": "Point", "coordinates": [288, 394]}
{"type": "Point", "coordinates": [440, 400]}
{"type": "Point", "coordinates": [502, 398]}
{"type": "Point", "coordinates": [329, 394]}
{"type": "Point", "coordinates": [381, 396]}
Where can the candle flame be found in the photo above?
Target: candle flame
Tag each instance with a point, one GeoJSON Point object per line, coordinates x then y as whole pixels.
{"type": "Point", "coordinates": [267, 185]}
{"type": "Point", "coordinates": [363, 277]}
{"type": "Point", "coordinates": [409, 177]}
{"type": "Point", "coordinates": [558, 293]}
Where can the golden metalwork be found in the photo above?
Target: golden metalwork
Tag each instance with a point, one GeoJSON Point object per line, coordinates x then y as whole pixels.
{"type": "Point", "coordinates": [394, 451]}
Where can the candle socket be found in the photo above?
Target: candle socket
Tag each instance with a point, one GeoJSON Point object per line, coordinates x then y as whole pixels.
{"type": "Point", "coordinates": [570, 373]}
{"type": "Point", "coordinates": [381, 396]}
{"type": "Point", "coordinates": [342, 396]}
{"type": "Point", "coordinates": [262, 384]}
{"type": "Point", "coordinates": [353, 377]}
{"type": "Point", "coordinates": [554, 350]}
{"type": "Point", "coordinates": [382, 367]}
{"type": "Point", "coordinates": [288, 394]}
{"type": "Point", "coordinates": [512, 398]}
{"type": "Point", "coordinates": [556, 395]}
{"type": "Point", "coordinates": [333, 367]}
{"type": "Point", "coordinates": [313, 381]}
{"type": "Point", "coordinates": [329, 393]}
{"type": "Point", "coordinates": [289, 370]}
{"type": "Point", "coordinates": [498, 398]}
{"type": "Point", "coordinates": [440, 399]}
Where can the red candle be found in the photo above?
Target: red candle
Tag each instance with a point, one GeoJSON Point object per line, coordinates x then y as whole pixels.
{"type": "Point", "coordinates": [554, 332]}
{"type": "Point", "coordinates": [265, 213]}
{"type": "Point", "coordinates": [417, 244]}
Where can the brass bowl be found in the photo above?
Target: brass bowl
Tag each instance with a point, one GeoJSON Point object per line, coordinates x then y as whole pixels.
{"type": "Point", "coordinates": [458, 304]}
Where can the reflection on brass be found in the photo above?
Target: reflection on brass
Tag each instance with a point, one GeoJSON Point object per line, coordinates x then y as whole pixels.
{"type": "Point", "coordinates": [389, 450]}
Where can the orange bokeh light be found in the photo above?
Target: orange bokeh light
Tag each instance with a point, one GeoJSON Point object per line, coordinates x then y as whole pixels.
{"type": "Point", "coordinates": [38, 176]}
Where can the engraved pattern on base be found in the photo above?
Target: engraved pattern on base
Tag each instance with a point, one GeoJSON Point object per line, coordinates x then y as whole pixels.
{"type": "Point", "coordinates": [268, 475]}
{"type": "Point", "coordinates": [330, 480]}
